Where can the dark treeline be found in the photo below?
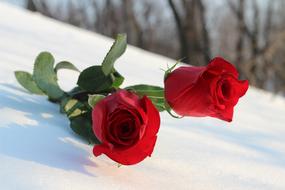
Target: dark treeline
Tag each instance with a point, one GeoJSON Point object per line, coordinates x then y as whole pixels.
{"type": "Point", "coordinates": [249, 33]}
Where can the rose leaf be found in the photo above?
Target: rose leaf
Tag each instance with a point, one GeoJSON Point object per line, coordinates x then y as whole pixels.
{"type": "Point", "coordinates": [45, 76]}
{"type": "Point", "coordinates": [27, 81]}
{"type": "Point", "coordinates": [117, 49]}
{"type": "Point", "coordinates": [94, 80]}
{"type": "Point", "coordinates": [65, 65]}
{"type": "Point", "coordinates": [154, 93]}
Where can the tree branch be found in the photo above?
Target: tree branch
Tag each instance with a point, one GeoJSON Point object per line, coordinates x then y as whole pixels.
{"type": "Point", "coordinates": [182, 37]}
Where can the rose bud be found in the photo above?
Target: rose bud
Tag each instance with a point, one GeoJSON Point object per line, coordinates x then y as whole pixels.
{"type": "Point", "coordinates": [126, 126]}
{"type": "Point", "coordinates": [211, 90]}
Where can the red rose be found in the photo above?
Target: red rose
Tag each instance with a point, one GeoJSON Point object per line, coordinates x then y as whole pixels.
{"type": "Point", "coordinates": [126, 126]}
{"type": "Point", "coordinates": [212, 90]}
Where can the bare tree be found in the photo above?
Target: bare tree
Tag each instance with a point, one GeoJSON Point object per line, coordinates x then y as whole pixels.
{"type": "Point", "coordinates": [242, 30]}
{"type": "Point", "coordinates": [192, 31]}
{"type": "Point", "coordinates": [30, 5]}
{"type": "Point", "coordinates": [132, 26]}
{"type": "Point", "coordinates": [249, 35]}
{"type": "Point", "coordinates": [254, 66]}
{"type": "Point", "coordinates": [184, 49]}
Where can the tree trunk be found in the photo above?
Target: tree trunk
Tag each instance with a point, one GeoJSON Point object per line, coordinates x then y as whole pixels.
{"type": "Point", "coordinates": [184, 49]}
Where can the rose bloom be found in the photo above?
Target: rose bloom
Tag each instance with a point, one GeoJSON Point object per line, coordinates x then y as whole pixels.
{"type": "Point", "coordinates": [212, 90]}
{"type": "Point", "coordinates": [126, 126]}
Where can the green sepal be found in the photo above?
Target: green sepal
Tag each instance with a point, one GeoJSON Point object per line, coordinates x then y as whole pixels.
{"type": "Point", "coordinates": [169, 70]}
{"type": "Point", "coordinates": [94, 99]}
{"type": "Point", "coordinates": [73, 107]}
{"type": "Point", "coordinates": [168, 109]}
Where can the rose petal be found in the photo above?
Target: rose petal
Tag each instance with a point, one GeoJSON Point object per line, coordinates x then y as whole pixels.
{"type": "Point", "coordinates": [128, 99]}
{"type": "Point", "coordinates": [130, 156]}
{"type": "Point", "coordinates": [153, 117]}
{"type": "Point", "coordinates": [98, 119]}
{"type": "Point", "coordinates": [195, 101]}
{"type": "Point", "coordinates": [220, 65]}
{"type": "Point", "coordinates": [226, 115]}
{"type": "Point", "coordinates": [242, 88]}
{"type": "Point", "coordinates": [120, 110]}
{"type": "Point", "coordinates": [132, 103]}
{"type": "Point", "coordinates": [179, 80]}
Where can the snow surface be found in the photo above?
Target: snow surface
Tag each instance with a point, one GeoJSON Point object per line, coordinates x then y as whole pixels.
{"type": "Point", "coordinates": [38, 151]}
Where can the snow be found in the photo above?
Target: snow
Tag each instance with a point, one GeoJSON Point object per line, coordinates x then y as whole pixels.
{"type": "Point", "coordinates": [38, 151]}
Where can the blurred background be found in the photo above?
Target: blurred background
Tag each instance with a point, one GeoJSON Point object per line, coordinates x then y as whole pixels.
{"type": "Point", "coordinates": [248, 33]}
